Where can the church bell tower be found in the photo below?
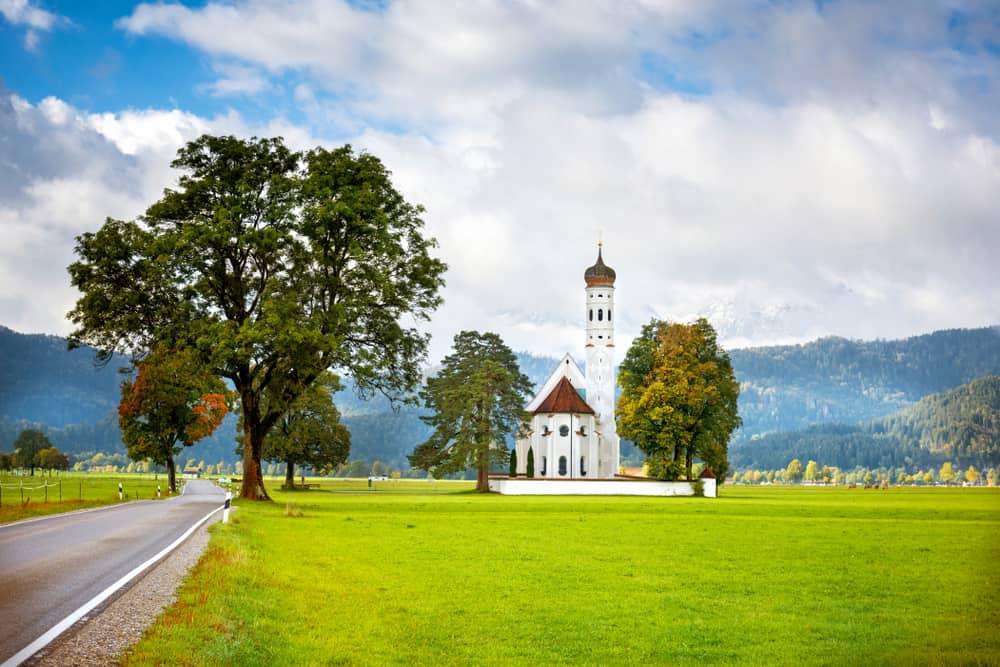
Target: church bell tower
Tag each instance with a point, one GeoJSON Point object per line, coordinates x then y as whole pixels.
{"type": "Point", "coordinates": [600, 375]}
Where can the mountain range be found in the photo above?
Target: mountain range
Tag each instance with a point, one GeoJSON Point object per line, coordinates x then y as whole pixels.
{"type": "Point", "coordinates": [809, 390]}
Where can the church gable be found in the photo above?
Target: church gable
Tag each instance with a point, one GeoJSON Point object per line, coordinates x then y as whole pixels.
{"type": "Point", "coordinates": [567, 369]}
{"type": "Point", "coordinates": [564, 398]}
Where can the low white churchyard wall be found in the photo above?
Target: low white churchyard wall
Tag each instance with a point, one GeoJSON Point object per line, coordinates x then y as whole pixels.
{"type": "Point", "coordinates": [596, 487]}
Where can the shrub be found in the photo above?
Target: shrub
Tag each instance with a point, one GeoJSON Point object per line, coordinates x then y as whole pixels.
{"type": "Point", "coordinates": [698, 485]}
{"type": "Point", "coordinates": [665, 469]}
{"type": "Point", "coordinates": [292, 510]}
{"type": "Point", "coordinates": [513, 463]}
{"type": "Point", "coordinates": [530, 465]}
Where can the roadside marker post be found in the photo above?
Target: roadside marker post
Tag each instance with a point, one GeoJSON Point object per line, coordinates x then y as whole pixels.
{"type": "Point", "coordinates": [225, 508]}
{"type": "Point", "coordinates": [157, 490]}
{"type": "Point", "coordinates": [119, 491]}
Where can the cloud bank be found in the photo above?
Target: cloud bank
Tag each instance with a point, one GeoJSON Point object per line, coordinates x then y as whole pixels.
{"type": "Point", "coordinates": [785, 170]}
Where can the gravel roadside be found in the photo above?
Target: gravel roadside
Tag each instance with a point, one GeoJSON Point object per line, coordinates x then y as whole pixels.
{"type": "Point", "coordinates": [108, 631]}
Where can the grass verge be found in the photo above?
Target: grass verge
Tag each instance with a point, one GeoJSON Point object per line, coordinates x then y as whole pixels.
{"type": "Point", "coordinates": [27, 497]}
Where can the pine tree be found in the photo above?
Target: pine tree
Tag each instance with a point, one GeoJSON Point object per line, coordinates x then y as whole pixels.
{"type": "Point", "coordinates": [477, 403]}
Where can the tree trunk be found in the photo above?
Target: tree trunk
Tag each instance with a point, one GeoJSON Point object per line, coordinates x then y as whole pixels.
{"type": "Point", "coordinates": [171, 475]}
{"type": "Point", "coordinates": [253, 445]}
{"type": "Point", "coordinates": [289, 474]}
{"type": "Point", "coordinates": [688, 456]}
{"type": "Point", "coordinates": [482, 476]}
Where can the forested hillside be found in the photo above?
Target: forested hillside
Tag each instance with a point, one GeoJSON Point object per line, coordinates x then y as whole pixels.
{"type": "Point", "coordinates": [961, 425]}
{"type": "Point", "coordinates": [834, 380]}
{"type": "Point", "coordinates": [41, 381]}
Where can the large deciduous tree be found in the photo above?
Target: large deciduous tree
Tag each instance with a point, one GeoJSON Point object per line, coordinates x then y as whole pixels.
{"type": "Point", "coordinates": [678, 398]}
{"type": "Point", "coordinates": [173, 403]}
{"type": "Point", "coordinates": [27, 446]}
{"type": "Point", "coordinates": [51, 458]}
{"type": "Point", "coordinates": [310, 433]}
{"type": "Point", "coordinates": [477, 402]}
{"type": "Point", "coordinates": [274, 265]}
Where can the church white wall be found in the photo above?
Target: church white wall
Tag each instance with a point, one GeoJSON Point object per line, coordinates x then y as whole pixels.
{"type": "Point", "coordinates": [596, 487]}
{"type": "Point", "coordinates": [549, 448]}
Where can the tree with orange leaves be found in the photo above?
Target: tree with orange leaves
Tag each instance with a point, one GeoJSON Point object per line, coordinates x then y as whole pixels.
{"type": "Point", "coordinates": [172, 403]}
{"type": "Point", "coordinates": [679, 398]}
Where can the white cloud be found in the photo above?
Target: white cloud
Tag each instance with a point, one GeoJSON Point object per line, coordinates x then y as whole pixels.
{"type": "Point", "coordinates": [237, 80]}
{"type": "Point", "coordinates": [35, 19]}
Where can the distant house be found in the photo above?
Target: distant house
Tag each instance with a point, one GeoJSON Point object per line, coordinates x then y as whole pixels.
{"type": "Point", "coordinates": [191, 473]}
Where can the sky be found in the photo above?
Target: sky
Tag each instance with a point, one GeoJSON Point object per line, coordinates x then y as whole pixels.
{"type": "Point", "coordinates": [787, 169]}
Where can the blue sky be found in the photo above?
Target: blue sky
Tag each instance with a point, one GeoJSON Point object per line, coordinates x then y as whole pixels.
{"type": "Point", "coordinates": [789, 169]}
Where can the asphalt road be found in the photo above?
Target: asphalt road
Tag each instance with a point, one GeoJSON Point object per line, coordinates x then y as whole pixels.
{"type": "Point", "coordinates": [50, 567]}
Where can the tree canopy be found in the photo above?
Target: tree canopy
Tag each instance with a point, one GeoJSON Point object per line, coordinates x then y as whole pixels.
{"type": "Point", "coordinates": [477, 402]}
{"type": "Point", "coordinates": [27, 447]}
{"type": "Point", "coordinates": [310, 433]}
{"type": "Point", "coordinates": [173, 403]}
{"type": "Point", "coordinates": [678, 398]}
{"type": "Point", "coordinates": [276, 266]}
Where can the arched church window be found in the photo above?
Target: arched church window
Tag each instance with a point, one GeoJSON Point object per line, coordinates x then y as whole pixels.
{"type": "Point", "coordinates": [583, 467]}
{"type": "Point", "coordinates": [564, 430]}
{"type": "Point", "coordinates": [609, 314]}
{"type": "Point", "coordinates": [591, 314]}
{"type": "Point", "coordinates": [545, 462]}
{"type": "Point", "coordinates": [600, 315]}
{"type": "Point", "coordinates": [562, 466]}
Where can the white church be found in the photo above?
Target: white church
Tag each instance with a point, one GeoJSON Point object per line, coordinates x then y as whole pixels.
{"type": "Point", "coordinates": [572, 434]}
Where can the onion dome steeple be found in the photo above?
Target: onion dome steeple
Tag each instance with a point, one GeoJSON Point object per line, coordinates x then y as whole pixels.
{"type": "Point", "coordinates": [600, 273]}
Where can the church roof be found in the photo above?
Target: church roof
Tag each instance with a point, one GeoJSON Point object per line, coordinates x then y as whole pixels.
{"type": "Point", "coordinates": [600, 273]}
{"type": "Point", "coordinates": [564, 398]}
{"type": "Point", "coordinates": [566, 368]}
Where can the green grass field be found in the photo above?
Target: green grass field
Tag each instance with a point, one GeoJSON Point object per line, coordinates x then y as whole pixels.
{"type": "Point", "coordinates": [26, 497]}
{"type": "Point", "coordinates": [757, 576]}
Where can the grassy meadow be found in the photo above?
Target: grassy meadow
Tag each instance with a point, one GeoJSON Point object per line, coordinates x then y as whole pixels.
{"type": "Point", "coordinates": [26, 497]}
{"type": "Point", "coordinates": [778, 575]}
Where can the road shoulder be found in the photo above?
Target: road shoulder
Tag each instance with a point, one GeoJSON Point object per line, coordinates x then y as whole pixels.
{"type": "Point", "coordinates": [108, 631]}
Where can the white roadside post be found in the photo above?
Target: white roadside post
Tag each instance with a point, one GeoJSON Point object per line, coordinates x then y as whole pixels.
{"type": "Point", "coordinates": [119, 491]}
{"type": "Point", "coordinates": [225, 510]}
{"type": "Point", "coordinates": [157, 490]}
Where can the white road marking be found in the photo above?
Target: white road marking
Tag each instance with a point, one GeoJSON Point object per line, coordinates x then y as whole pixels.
{"type": "Point", "coordinates": [60, 627]}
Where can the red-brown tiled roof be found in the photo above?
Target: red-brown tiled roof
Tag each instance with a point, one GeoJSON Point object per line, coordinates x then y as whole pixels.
{"type": "Point", "coordinates": [707, 473]}
{"type": "Point", "coordinates": [564, 398]}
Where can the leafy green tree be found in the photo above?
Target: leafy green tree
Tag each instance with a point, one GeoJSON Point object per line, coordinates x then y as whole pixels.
{"type": "Point", "coordinates": [27, 446]}
{"type": "Point", "coordinates": [310, 432]}
{"type": "Point", "coordinates": [529, 466]}
{"type": "Point", "coordinates": [512, 470]}
{"type": "Point", "coordinates": [172, 403]}
{"type": "Point", "coordinates": [812, 471]}
{"type": "Point", "coordinates": [6, 461]}
{"type": "Point", "coordinates": [971, 475]}
{"type": "Point", "coordinates": [793, 472]}
{"type": "Point", "coordinates": [275, 265]}
{"type": "Point", "coordinates": [678, 397]}
{"type": "Point", "coordinates": [477, 402]}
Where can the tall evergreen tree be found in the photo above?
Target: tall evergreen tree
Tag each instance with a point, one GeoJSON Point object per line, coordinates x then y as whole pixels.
{"type": "Point", "coordinates": [477, 402]}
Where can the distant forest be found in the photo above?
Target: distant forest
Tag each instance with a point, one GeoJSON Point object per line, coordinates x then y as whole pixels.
{"type": "Point", "coordinates": [798, 398]}
{"type": "Point", "coordinates": [961, 425]}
